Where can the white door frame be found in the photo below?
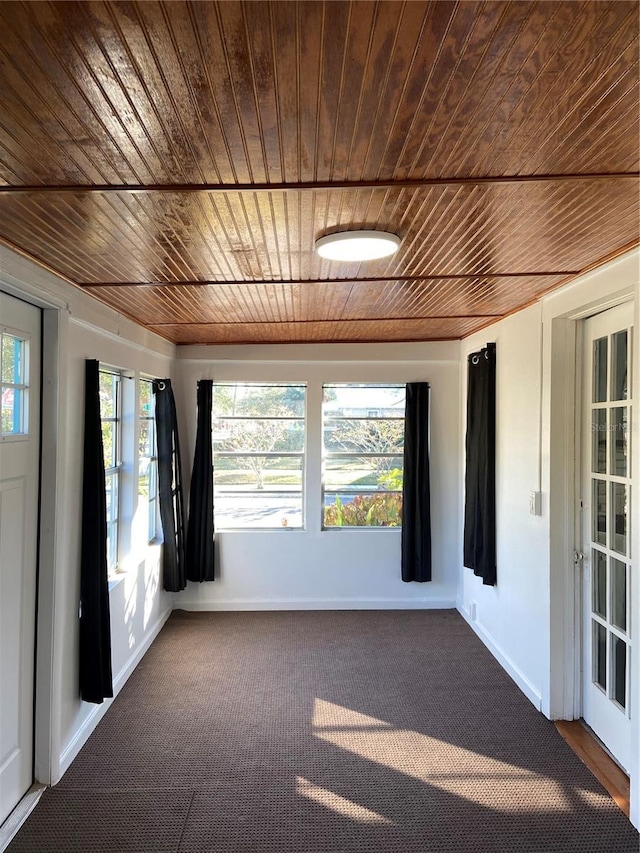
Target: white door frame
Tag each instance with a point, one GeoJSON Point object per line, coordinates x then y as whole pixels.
{"type": "Point", "coordinates": [55, 318]}
{"type": "Point", "coordinates": [563, 365]}
{"type": "Point", "coordinates": [47, 706]}
{"type": "Point", "coordinates": [564, 611]}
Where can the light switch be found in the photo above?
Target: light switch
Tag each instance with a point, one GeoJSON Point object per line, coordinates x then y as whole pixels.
{"type": "Point", "coordinates": [535, 503]}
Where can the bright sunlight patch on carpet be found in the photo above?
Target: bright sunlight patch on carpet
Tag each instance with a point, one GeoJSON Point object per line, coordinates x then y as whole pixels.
{"type": "Point", "coordinates": [442, 765]}
{"type": "Point", "coordinates": [338, 804]}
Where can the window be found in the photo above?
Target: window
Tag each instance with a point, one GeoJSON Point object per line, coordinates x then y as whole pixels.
{"type": "Point", "coordinates": [147, 458]}
{"type": "Point", "coordinates": [258, 449]}
{"type": "Point", "coordinates": [14, 372]}
{"type": "Point", "coordinates": [363, 444]}
{"type": "Point", "coordinates": [110, 397]}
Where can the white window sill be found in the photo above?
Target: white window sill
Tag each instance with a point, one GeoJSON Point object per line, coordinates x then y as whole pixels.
{"type": "Point", "coordinates": [114, 580]}
{"type": "Point", "coordinates": [361, 529]}
{"type": "Point", "coordinates": [259, 530]}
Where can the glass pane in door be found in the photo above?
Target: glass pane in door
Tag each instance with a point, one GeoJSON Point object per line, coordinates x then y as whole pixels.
{"type": "Point", "coordinates": [619, 442]}
{"type": "Point", "coordinates": [619, 366]}
{"type": "Point", "coordinates": [599, 563]}
{"type": "Point", "coordinates": [599, 441]}
{"type": "Point", "coordinates": [618, 518]}
{"type": "Point", "coordinates": [618, 670]}
{"type": "Point", "coordinates": [600, 370]}
{"type": "Point", "coordinates": [619, 594]}
{"type": "Point", "coordinates": [599, 655]}
{"type": "Point", "coordinates": [599, 512]}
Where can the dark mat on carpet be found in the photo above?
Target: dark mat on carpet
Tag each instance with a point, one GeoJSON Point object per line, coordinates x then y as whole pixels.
{"type": "Point", "coordinates": [327, 732]}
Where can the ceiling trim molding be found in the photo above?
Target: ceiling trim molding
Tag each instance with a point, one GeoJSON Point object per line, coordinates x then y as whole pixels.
{"type": "Point", "coordinates": [300, 186]}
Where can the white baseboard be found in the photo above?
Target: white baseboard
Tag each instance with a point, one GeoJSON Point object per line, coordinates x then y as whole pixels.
{"type": "Point", "coordinates": [98, 711]}
{"type": "Point", "coordinates": [531, 692]}
{"type": "Point", "coordinates": [317, 604]}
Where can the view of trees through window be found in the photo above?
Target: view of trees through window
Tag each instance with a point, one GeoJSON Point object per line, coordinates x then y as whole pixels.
{"type": "Point", "coordinates": [13, 388]}
{"type": "Point", "coordinates": [147, 458]}
{"type": "Point", "coordinates": [258, 444]}
{"type": "Point", "coordinates": [110, 419]}
{"type": "Point", "coordinates": [363, 441]}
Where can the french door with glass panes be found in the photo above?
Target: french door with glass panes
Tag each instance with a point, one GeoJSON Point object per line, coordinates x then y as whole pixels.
{"type": "Point", "coordinates": [19, 487]}
{"type": "Point", "coordinates": [607, 547]}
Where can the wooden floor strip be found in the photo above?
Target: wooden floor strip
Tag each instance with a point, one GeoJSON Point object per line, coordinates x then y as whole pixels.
{"type": "Point", "coordinates": [603, 767]}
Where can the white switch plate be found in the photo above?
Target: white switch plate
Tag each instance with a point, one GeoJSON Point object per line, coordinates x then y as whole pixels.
{"type": "Point", "coordinates": [535, 503]}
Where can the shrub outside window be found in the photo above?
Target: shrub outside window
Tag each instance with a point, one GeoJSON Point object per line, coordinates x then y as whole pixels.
{"type": "Point", "coordinates": [363, 445]}
{"type": "Point", "coordinates": [110, 401]}
{"type": "Point", "coordinates": [259, 447]}
{"type": "Point", "coordinates": [147, 458]}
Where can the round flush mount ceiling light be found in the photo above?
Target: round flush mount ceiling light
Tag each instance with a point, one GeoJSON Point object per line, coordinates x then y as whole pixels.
{"type": "Point", "coordinates": [357, 245]}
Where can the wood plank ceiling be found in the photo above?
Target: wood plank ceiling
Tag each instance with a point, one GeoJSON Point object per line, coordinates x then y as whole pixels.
{"type": "Point", "coordinates": [178, 160]}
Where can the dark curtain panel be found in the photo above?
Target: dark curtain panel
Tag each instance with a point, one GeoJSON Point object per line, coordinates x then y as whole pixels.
{"type": "Point", "coordinates": [200, 541]}
{"type": "Point", "coordinates": [170, 488]}
{"type": "Point", "coordinates": [480, 476]}
{"type": "Point", "coordinates": [416, 492]}
{"type": "Point", "coordinates": [96, 682]}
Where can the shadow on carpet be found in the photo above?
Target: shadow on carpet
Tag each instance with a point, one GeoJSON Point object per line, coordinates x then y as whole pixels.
{"type": "Point", "coordinates": [324, 732]}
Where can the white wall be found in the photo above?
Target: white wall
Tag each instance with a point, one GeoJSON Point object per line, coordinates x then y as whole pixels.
{"type": "Point", "coordinates": [138, 605]}
{"type": "Point", "coordinates": [530, 619]}
{"type": "Point", "coordinates": [78, 327]}
{"type": "Point", "coordinates": [508, 614]}
{"type": "Point", "coordinates": [312, 568]}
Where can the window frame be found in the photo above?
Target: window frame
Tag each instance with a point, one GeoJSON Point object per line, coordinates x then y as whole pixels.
{"type": "Point", "coordinates": [299, 455]}
{"type": "Point", "coordinates": [373, 414]}
{"type": "Point", "coordinates": [22, 387]}
{"type": "Point", "coordinates": [152, 483]}
{"type": "Point", "coordinates": [113, 472]}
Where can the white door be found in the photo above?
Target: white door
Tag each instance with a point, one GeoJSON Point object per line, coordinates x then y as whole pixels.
{"type": "Point", "coordinates": [606, 500]}
{"type": "Point", "coordinates": [19, 484]}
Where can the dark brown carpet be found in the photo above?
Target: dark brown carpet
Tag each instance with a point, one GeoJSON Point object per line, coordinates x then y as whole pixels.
{"type": "Point", "coordinates": [324, 732]}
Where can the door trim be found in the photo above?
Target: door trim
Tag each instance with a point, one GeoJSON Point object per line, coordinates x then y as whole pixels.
{"type": "Point", "coordinates": [47, 722]}
{"type": "Point", "coordinates": [565, 654]}
{"type": "Point", "coordinates": [565, 418]}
